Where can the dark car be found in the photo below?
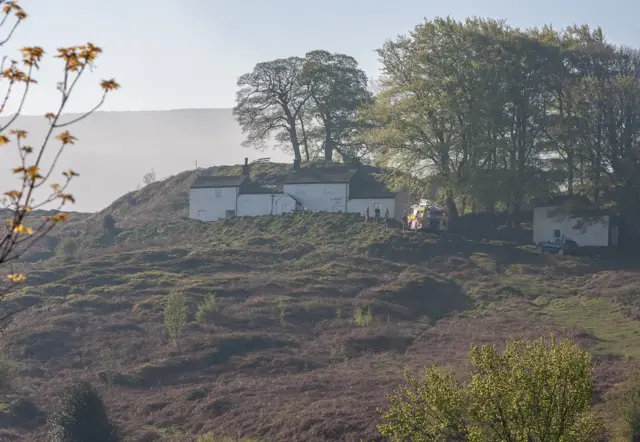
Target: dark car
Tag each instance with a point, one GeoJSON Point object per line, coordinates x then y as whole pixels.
{"type": "Point", "coordinates": [559, 246]}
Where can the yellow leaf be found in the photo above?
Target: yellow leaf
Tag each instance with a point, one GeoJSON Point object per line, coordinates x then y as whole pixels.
{"type": "Point", "coordinates": [33, 172]}
{"type": "Point", "coordinates": [16, 277]}
{"type": "Point", "coordinates": [4, 139]}
{"type": "Point", "coordinates": [58, 217]}
{"type": "Point", "coordinates": [19, 133]}
{"type": "Point", "coordinates": [69, 174]}
{"type": "Point", "coordinates": [20, 228]}
{"type": "Point", "coordinates": [67, 197]}
{"type": "Point", "coordinates": [66, 137]}
{"type": "Point", "coordinates": [109, 85]}
{"type": "Point", "coordinates": [13, 194]}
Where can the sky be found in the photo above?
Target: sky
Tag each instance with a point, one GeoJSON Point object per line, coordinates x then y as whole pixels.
{"type": "Point", "coordinates": [189, 53]}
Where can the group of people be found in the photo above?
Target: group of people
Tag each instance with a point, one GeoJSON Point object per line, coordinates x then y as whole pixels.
{"type": "Point", "coordinates": [376, 216]}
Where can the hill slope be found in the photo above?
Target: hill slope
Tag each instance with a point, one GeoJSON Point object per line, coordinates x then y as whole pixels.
{"type": "Point", "coordinates": [291, 352]}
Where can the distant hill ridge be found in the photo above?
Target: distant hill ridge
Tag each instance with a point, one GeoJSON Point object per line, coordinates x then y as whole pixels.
{"type": "Point", "coordinates": [115, 149]}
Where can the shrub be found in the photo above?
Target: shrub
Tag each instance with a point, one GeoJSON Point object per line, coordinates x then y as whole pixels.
{"type": "Point", "coordinates": [175, 315]}
{"type": "Point", "coordinates": [363, 316]}
{"type": "Point", "coordinates": [538, 390]}
{"type": "Point", "coordinates": [109, 223]}
{"type": "Point", "coordinates": [80, 416]}
{"type": "Point", "coordinates": [206, 309]}
{"type": "Point", "coordinates": [67, 248]}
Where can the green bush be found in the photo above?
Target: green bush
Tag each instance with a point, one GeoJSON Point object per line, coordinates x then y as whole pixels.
{"type": "Point", "coordinates": [363, 316]}
{"type": "Point", "coordinates": [80, 416]}
{"type": "Point", "coordinates": [206, 309]}
{"type": "Point", "coordinates": [175, 315]}
{"type": "Point", "coordinates": [67, 248]}
{"type": "Point", "coordinates": [539, 390]}
{"type": "Point", "coordinates": [109, 223]}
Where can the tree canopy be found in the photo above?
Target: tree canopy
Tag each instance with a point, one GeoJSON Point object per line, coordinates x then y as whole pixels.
{"type": "Point", "coordinates": [535, 390]}
{"type": "Point", "coordinates": [305, 104]}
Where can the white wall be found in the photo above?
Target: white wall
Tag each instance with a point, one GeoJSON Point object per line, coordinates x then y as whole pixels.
{"type": "Point", "coordinates": [261, 204]}
{"type": "Point", "coordinates": [358, 205]}
{"type": "Point", "coordinates": [320, 197]}
{"type": "Point", "coordinates": [284, 203]}
{"type": "Point", "coordinates": [254, 204]}
{"type": "Point", "coordinates": [403, 201]}
{"type": "Point", "coordinates": [594, 233]}
{"type": "Point", "coordinates": [210, 204]}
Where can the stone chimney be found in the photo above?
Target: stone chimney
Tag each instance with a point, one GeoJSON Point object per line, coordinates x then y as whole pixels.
{"type": "Point", "coordinates": [246, 169]}
{"type": "Point", "coordinates": [296, 165]}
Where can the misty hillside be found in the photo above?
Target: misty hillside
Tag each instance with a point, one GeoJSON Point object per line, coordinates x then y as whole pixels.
{"type": "Point", "coordinates": [115, 149]}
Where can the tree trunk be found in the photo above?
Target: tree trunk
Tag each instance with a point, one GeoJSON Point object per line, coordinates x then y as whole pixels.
{"type": "Point", "coordinates": [570, 172]}
{"type": "Point", "coordinates": [328, 142]}
{"type": "Point", "coordinates": [453, 224]}
{"type": "Point", "coordinates": [304, 141]}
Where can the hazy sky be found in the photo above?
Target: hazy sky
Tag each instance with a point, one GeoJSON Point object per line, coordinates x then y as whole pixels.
{"type": "Point", "coordinates": [189, 53]}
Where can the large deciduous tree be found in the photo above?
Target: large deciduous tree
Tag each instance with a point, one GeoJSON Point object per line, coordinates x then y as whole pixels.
{"type": "Point", "coordinates": [430, 116]}
{"type": "Point", "coordinates": [338, 87]}
{"type": "Point", "coordinates": [270, 103]}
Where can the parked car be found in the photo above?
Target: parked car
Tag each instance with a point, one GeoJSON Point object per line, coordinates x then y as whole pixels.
{"type": "Point", "coordinates": [561, 246]}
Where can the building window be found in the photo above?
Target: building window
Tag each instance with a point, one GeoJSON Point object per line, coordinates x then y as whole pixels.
{"type": "Point", "coordinates": [218, 193]}
{"type": "Point", "coordinates": [556, 233]}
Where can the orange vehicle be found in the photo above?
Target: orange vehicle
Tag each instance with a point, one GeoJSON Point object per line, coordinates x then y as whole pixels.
{"type": "Point", "coordinates": [425, 216]}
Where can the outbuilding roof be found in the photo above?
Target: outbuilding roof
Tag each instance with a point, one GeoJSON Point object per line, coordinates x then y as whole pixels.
{"type": "Point", "coordinates": [203, 182]}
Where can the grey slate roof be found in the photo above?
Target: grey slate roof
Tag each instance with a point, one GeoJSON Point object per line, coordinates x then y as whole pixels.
{"type": "Point", "coordinates": [320, 176]}
{"type": "Point", "coordinates": [202, 182]}
{"type": "Point", "coordinates": [364, 185]}
{"type": "Point", "coordinates": [254, 188]}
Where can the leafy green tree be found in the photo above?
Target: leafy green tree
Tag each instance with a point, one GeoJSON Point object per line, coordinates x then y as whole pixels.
{"type": "Point", "coordinates": [535, 390]}
{"type": "Point", "coordinates": [270, 103]}
{"type": "Point", "coordinates": [80, 416]}
{"type": "Point", "coordinates": [109, 223]}
{"type": "Point", "coordinates": [338, 87]}
{"type": "Point", "coordinates": [67, 248]}
{"type": "Point", "coordinates": [175, 315]}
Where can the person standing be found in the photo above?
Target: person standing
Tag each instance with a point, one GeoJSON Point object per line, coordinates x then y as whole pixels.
{"type": "Point", "coordinates": [376, 215]}
{"type": "Point", "coordinates": [366, 215]}
{"type": "Point", "coordinates": [386, 218]}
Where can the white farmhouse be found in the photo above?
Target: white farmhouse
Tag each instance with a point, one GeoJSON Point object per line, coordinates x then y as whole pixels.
{"type": "Point", "coordinates": [343, 190]}
{"type": "Point", "coordinates": [337, 189]}
{"type": "Point", "coordinates": [555, 219]}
